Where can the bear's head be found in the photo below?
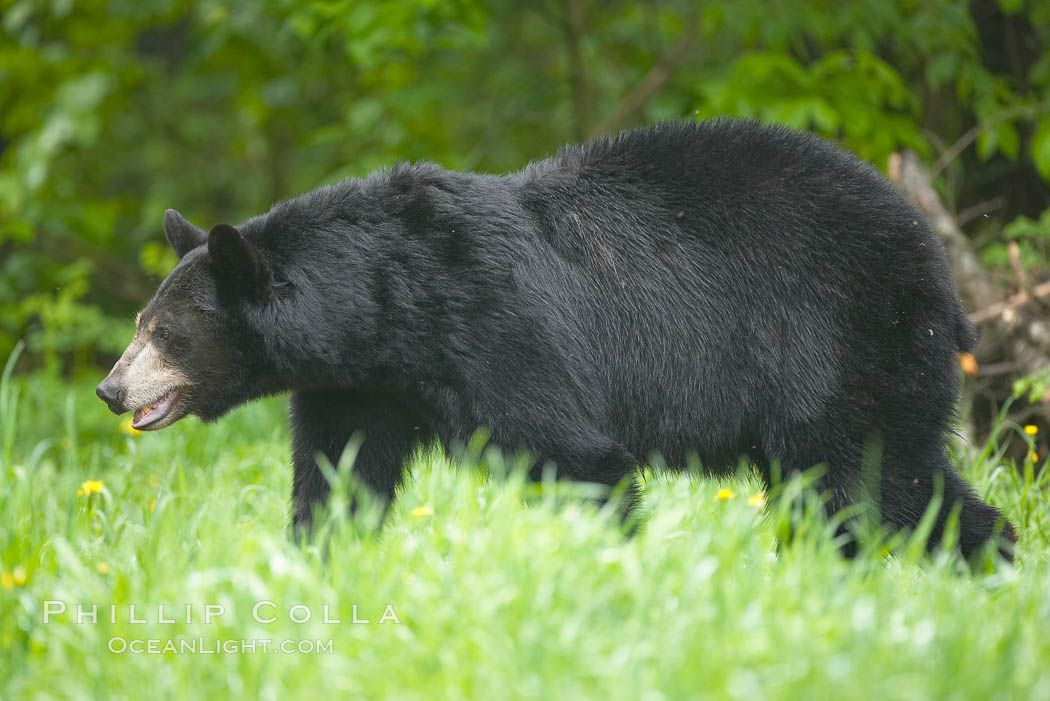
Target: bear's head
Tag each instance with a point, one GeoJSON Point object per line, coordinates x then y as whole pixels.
{"type": "Point", "coordinates": [199, 345]}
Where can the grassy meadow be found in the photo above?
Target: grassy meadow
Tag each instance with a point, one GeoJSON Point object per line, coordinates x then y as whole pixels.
{"type": "Point", "coordinates": [476, 587]}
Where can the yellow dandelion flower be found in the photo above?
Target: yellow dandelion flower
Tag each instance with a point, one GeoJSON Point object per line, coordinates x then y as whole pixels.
{"type": "Point", "coordinates": [127, 428]}
{"type": "Point", "coordinates": [90, 487]}
{"type": "Point", "coordinates": [1033, 456]}
{"type": "Point", "coordinates": [969, 364]}
{"type": "Point", "coordinates": [1031, 430]}
{"type": "Point", "coordinates": [102, 568]}
{"type": "Point", "coordinates": [19, 576]}
{"type": "Point", "coordinates": [422, 511]}
{"type": "Point", "coordinates": [757, 500]}
{"type": "Point", "coordinates": [152, 505]}
{"type": "Point", "coordinates": [7, 580]}
{"type": "Point", "coordinates": [724, 494]}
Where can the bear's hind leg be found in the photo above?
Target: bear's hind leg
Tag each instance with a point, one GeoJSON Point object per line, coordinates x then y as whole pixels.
{"type": "Point", "coordinates": [908, 486]}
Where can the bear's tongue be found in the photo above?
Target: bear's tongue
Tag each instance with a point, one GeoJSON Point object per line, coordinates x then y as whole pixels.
{"type": "Point", "coordinates": [149, 415]}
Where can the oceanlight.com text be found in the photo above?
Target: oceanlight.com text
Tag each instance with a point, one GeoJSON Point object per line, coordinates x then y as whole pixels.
{"type": "Point", "coordinates": [201, 646]}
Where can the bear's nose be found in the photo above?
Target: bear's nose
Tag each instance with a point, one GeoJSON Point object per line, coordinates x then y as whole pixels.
{"type": "Point", "coordinates": [112, 395]}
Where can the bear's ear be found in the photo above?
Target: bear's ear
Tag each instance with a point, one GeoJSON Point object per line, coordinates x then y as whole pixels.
{"type": "Point", "coordinates": [182, 235]}
{"type": "Point", "coordinates": [237, 257]}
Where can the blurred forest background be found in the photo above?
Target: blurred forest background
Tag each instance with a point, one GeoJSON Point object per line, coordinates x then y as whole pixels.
{"type": "Point", "coordinates": [112, 111]}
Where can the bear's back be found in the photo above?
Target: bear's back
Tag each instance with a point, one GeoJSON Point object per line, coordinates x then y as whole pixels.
{"type": "Point", "coordinates": [750, 265]}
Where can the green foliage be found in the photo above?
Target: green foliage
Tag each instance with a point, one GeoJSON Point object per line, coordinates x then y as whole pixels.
{"type": "Point", "coordinates": [1034, 387]}
{"type": "Point", "coordinates": [1025, 228]}
{"type": "Point", "coordinates": [503, 589]}
{"type": "Point", "coordinates": [1041, 146]}
{"type": "Point", "coordinates": [1033, 242]}
{"type": "Point", "coordinates": [112, 111]}
{"type": "Point", "coordinates": [855, 97]}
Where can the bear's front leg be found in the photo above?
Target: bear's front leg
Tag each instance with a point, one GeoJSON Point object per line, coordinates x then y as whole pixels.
{"type": "Point", "coordinates": [322, 423]}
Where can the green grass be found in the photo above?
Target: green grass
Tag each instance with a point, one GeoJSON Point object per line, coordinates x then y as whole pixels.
{"type": "Point", "coordinates": [503, 590]}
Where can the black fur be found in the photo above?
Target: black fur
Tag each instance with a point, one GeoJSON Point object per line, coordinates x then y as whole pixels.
{"type": "Point", "coordinates": [182, 235]}
{"type": "Point", "coordinates": [718, 289]}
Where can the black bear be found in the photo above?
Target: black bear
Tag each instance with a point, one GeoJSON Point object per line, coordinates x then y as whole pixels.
{"type": "Point", "coordinates": [717, 289]}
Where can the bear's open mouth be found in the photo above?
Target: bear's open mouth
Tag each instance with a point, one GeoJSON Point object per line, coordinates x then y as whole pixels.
{"type": "Point", "coordinates": [150, 415]}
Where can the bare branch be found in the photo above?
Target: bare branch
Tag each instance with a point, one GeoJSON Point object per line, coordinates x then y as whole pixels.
{"type": "Point", "coordinates": [974, 132]}
{"type": "Point", "coordinates": [994, 311]}
{"type": "Point", "coordinates": [1014, 252]}
{"type": "Point", "coordinates": [980, 209]}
